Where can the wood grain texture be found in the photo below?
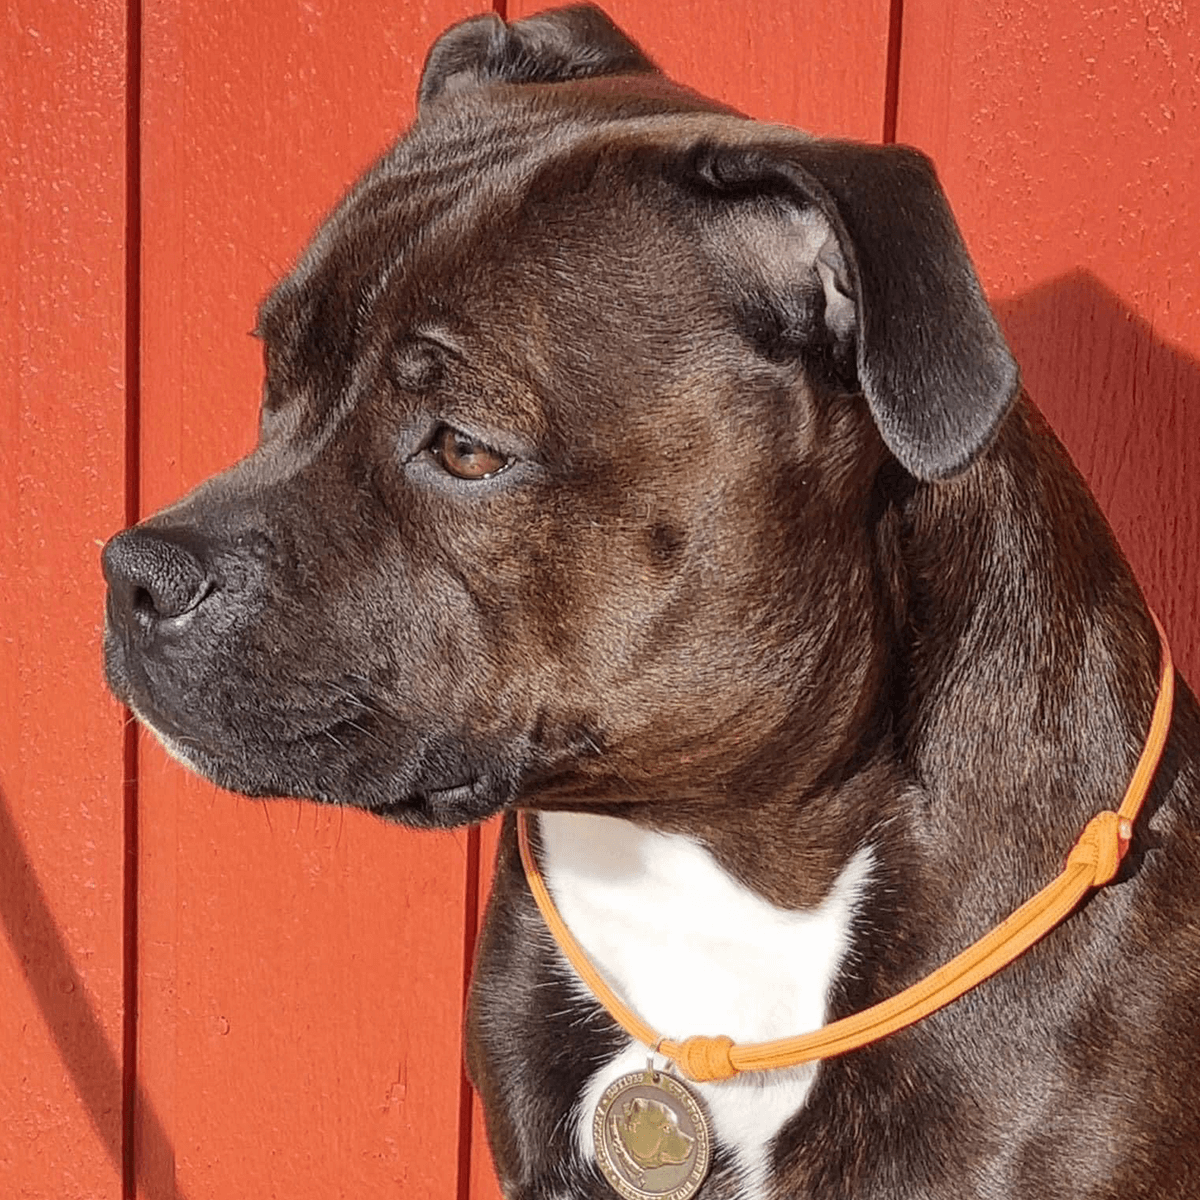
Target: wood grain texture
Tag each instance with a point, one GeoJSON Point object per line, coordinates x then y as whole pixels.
{"type": "Point", "coordinates": [301, 969]}
{"type": "Point", "coordinates": [1065, 137]}
{"type": "Point", "coordinates": [62, 447]}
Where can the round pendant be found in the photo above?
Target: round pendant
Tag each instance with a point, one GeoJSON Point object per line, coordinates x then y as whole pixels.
{"type": "Point", "coordinates": [652, 1139]}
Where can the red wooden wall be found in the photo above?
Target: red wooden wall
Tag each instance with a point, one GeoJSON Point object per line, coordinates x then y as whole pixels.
{"type": "Point", "coordinates": [202, 996]}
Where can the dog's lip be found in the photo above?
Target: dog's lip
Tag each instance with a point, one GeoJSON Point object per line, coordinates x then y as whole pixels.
{"type": "Point", "coordinates": [422, 797]}
{"type": "Point", "coordinates": [457, 791]}
{"type": "Point", "coordinates": [451, 794]}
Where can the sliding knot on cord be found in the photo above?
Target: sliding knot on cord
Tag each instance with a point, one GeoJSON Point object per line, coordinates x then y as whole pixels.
{"type": "Point", "coordinates": [1101, 846]}
{"type": "Point", "coordinates": [703, 1059]}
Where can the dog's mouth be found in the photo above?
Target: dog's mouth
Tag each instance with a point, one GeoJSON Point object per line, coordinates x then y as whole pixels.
{"type": "Point", "coordinates": [398, 791]}
{"type": "Point", "coordinates": [425, 782]}
{"type": "Point", "coordinates": [337, 740]}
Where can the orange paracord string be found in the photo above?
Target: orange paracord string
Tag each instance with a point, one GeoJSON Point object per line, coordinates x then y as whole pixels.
{"type": "Point", "coordinates": [1093, 862]}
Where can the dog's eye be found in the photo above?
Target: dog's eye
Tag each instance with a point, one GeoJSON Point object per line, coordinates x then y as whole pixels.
{"type": "Point", "coordinates": [462, 456]}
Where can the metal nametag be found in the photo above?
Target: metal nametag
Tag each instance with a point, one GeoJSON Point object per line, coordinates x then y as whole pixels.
{"type": "Point", "coordinates": [652, 1137]}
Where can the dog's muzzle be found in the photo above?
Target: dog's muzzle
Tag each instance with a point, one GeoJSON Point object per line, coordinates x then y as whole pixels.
{"type": "Point", "coordinates": [206, 640]}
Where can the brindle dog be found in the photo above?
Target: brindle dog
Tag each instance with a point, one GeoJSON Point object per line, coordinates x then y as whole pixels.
{"type": "Point", "coordinates": [621, 456]}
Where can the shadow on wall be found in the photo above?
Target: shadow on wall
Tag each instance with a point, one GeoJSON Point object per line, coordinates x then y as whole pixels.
{"type": "Point", "coordinates": [1126, 405]}
{"type": "Point", "coordinates": [62, 998]}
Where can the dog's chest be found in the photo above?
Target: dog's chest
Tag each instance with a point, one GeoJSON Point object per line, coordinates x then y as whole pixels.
{"type": "Point", "coordinates": [692, 950]}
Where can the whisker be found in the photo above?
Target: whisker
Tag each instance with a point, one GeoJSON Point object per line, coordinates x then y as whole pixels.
{"type": "Point", "coordinates": [366, 733]}
{"type": "Point", "coordinates": [610, 754]}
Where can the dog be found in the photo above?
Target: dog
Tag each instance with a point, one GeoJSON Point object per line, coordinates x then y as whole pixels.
{"type": "Point", "coordinates": [665, 475]}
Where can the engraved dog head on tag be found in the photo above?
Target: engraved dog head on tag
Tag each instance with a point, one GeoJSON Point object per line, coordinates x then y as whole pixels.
{"type": "Point", "coordinates": [650, 1134]}
{"type": "Point", "coordinates": [652, 1137]}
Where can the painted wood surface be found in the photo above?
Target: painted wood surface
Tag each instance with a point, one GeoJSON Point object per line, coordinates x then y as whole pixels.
{"type": "Point", "coordinates": [1065, 136]}
{"type": "Point", "coordinates": [301, 970]}
{"type": "Point", "coordinates": [298, 972]}
{"type": "Point", "coordinates": [62, 486]}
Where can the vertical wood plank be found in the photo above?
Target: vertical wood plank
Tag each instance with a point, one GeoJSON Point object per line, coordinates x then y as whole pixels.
{"type": "Point", "coordinates": [822, 66]}
{"type": "Point", "coordinates": [302, 968]}
{"type": "Point", "coordinates": [62, 487]}
{"type": "Point", "coordinates": [1065, 137]}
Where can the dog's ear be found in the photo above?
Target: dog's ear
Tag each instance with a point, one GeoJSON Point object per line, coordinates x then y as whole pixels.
{"type": "Point", "coordinates": [566, 43]}
{"type": "Point", "coordinates": [855, 246]}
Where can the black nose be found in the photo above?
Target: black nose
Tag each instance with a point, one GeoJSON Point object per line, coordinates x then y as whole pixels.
{"type": "Point", "coordinates": [153, 576]}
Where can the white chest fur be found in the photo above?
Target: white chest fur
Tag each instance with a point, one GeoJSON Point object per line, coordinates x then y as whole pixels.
{"type": "Point", "coordinates": [691, 950]}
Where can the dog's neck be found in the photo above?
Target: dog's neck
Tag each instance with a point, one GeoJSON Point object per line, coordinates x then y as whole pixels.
{"type": "Point", "coordinates": [1033, 665]}
{"type": "Point", "coordinates": [963, 711]}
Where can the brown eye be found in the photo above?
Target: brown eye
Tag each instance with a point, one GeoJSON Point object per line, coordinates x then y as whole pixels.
{"type": "Point", "coordinates": [464, 457]}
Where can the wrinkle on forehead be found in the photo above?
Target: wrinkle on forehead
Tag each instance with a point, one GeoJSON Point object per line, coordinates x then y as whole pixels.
{"type": "Point", "coordinates": [418, 229]}
{"type": "Point", "coordinates": [470, 160]}
{"type": "Point", "coordinates": [407, 248]}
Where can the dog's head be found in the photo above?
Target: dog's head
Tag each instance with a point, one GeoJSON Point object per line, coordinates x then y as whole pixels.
{"type": "Point", "coordinates": [575, 419]}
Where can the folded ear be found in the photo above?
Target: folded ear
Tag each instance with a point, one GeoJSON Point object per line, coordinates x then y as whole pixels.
{"type": "Point", "coordinates": [566, 43]}
{"type": "Point", "coordinates": [863, 252]}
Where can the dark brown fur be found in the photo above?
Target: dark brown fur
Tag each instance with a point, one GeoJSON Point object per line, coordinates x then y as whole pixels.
{"type": "Point", "coordinates": [782, 564]}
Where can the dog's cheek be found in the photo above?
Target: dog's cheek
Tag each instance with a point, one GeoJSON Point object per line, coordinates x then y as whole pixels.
{"type": "Point", "coordinates": [658, 611]}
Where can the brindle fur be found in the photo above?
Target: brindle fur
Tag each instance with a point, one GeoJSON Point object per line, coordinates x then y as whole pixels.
{"type": "Point", "coordinates": [779, 583]}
